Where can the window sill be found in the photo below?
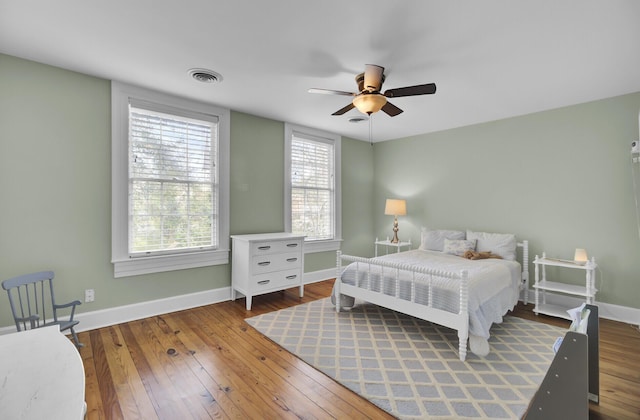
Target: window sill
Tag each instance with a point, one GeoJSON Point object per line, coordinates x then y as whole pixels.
{"type": "Point", "coordinates": [161, 263]}
{"type": "Point", "coordinates": [322, 246]}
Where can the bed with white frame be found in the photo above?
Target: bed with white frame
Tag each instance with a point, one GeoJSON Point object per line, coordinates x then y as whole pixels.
{"type": "Point", "coordinates": [437, 284]}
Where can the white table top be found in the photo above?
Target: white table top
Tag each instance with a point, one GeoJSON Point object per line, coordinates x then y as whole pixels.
{"type": "Point", "coordinates": [41, 376]}
{"type": "Point", "coordinates": [389, 243]}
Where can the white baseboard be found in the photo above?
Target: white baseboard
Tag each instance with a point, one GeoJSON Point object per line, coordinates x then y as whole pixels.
{"type": "Point", "coordinates": [111, 316]}
{"type": "Point", "coordinates": [120, 314]}
{"type": "Point", "coordinates": [321, 275]}
{"type": "Point", "coordinates": [605, 310]}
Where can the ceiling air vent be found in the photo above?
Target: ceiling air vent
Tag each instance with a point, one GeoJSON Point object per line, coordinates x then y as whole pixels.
{"type": "Point", "coordinates": [205, 76]}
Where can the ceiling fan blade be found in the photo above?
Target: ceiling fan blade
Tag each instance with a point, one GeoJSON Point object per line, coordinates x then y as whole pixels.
{"type": "Point", "coordinates": [345, 109]}
{"type": "Point", "coordinates": [331, 92]}
{"type": "Point", "coordinates": [427, 89]}
{"type": "Point", "coordinates": [391, 110]}
{"type": "Point", "coordinates": [373, 77]}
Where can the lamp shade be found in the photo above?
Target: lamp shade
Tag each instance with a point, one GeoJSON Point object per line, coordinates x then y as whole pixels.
{"type": "Point", "coordinates": [580, 255]}
{"type": "Point", "coordinates": [368, 103]}
{"type": "Point", "coordinates": [395, 207]}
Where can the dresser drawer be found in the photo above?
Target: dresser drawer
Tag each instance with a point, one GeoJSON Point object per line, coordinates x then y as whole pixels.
{"type": "Point", "coordinates": [276, 280]}
{"type": "Point", "coordinates": [275, 247]}
{"type": "Point", "coordinates": [275, 262]}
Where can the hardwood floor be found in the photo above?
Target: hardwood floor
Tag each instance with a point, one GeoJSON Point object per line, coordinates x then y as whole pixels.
{"type": "Point", "coordinates": [208, 363]}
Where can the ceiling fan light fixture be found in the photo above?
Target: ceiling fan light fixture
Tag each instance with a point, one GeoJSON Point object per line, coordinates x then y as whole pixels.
{"type": "Point", "coordinates": [205, 75]}
{"type": "Point", "coordinates": [369, 103]}
{"type": "Point", "coordinates": [369, 100]}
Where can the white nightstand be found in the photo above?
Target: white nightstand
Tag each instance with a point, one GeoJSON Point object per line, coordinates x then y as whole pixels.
{"type": "Point", "coordinates": [388, 244]}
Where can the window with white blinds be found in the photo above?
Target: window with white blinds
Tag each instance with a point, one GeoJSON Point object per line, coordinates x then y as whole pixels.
{"type": "Point", "coordinates": [172, 182]}
{"type": "Point", "coordinates": [312, 185]}
{"type": "Point", "coordinates": [312, 188]}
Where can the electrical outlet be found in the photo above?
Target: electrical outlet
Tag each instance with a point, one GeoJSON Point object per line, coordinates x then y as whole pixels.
{"type": "Point", "coordinates": [89, 295]}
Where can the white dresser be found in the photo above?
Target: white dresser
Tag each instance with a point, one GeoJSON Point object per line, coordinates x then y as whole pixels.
{"type": "Point", "coordinates": [266, 262]}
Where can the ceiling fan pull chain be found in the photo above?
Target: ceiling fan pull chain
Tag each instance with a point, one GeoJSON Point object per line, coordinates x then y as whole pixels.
{"type": "Point", "coordinates": [370, 137]}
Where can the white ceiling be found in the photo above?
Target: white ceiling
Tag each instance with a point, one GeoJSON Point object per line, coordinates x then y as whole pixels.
{"type": "Point", "coordinates": [490, 59]}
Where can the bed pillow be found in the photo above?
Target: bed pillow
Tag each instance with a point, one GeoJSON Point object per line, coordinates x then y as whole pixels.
{"type": "Point", "coordinates": [503, 244]}
{"type": "Point", "coordinates": [458, 246]}
{"type": "Point", "coordinates": [433, 240]}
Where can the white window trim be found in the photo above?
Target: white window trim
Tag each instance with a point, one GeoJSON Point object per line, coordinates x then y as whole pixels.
{"type": "Point", "coordinates": [314, 246]}
{"type": "Point", "coordinates": [123, 264]}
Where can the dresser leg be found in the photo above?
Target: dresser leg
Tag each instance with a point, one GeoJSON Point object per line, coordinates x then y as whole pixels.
{"type": "Point", "coordinates": [248, 302]}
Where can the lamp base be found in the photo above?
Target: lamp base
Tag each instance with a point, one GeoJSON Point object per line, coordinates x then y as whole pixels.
{"type": "Point", "coordinates": [395, 239]}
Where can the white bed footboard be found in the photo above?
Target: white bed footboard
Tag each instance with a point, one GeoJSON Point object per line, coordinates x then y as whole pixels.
{"type": "Point", "coordinates": [421, 291]}
{"type": "Point", "coordinates": [426, 310]}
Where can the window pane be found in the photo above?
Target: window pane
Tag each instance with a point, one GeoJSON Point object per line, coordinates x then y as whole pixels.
{"type": "Point", "coordinates": [171, 182]}
{"type": "Point", "coordinates": [312, 212]}
{"type": "Point", "coordinates": [311, 164]}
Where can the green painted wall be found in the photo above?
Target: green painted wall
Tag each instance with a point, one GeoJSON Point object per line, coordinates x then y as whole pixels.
{"type": "Point", "coordinates": [561, 179]}
{"type": "Point", "coordinates": [55, 180]}
{"type": "Point", "coordinates": [257, 186]}
{"type": "Point", "coordinates": [357, 197]}
{"type": "Point", "coordinates": [55, 177]}
{"type": "Point", "coordinates": [257, 174]}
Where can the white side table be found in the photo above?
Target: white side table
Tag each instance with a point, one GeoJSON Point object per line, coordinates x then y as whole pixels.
{"type": "Point", "coordinates": [388, 244]}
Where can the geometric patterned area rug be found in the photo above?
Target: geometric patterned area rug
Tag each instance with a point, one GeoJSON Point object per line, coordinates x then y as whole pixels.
{"type": "Point", "coordinates": [410, 367]}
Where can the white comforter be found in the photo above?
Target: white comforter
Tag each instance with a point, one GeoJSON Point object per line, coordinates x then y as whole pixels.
{"type": "Point", "coordinates": [493, 285]}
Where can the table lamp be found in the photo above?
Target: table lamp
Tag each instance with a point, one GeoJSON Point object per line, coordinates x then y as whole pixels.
{"type": "Point", "coordinates": [395, 208]}
{"type": "Point", "coordinates": [580, 256]}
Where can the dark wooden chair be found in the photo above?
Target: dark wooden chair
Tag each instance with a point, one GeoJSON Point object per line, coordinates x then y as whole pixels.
{"type": "Point", "coordinates": [32, 300]}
